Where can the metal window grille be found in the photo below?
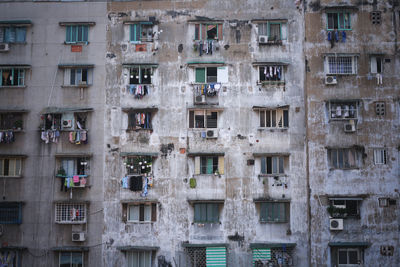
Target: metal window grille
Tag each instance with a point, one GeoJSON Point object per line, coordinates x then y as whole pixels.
{"type": "Point", "coordinates": [196, 257]}
{"type": "Point", "coordinates": [341, 65]}
{"type": "Point", "coordinates": [343, 110]}
{"type": "Point", "coordinates": [273, 257]}
{"type": "Point", "coordinates": [376, 17]}
{"type": "Point", "coordinates": [380, 156]}
{"type": "Point", "coordinates": [70, 213]}
{"type": "Point", "coordinates": [380, 108]}
{"type": "Point", "coordinates": [10, 213]}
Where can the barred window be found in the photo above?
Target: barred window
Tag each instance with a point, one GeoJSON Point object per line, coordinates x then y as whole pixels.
{"type": "Point", "coordinates": [10, 213]}
{"type": "Point", "coordinates": [280, 256]}
{"type": "Point", "coordinates": [70, 213]}
{"type": "Point", "coordinates": [338, 21]}
{"type": "Point", "coordinates": [343, 110]}
{"type": "Point", "coordinates": [276, 118]}
{"type": "Point", "coordinates": [203, 119]}
{"type": "Point", "coordinates": [344, 158]}
{"type": "Point", "coordinates": [380, 156]}
{"type": "Point", "coordinates": [341, 65]}
{"type": "Point", "coordinates": [274, 211]}
{"type": "Point", "coordinates": [12, 77]}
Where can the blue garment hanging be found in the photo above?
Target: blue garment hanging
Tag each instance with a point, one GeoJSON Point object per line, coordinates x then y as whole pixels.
{"type": "Point", "coordinates": [343, 36]}
{"type": "Point", "coordinates": [329, 36]}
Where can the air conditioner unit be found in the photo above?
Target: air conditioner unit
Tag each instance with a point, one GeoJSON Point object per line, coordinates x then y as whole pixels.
{"type": "Point", "coordinates": [67, 123]}
{"type": "Point", "coordinates": [330, 80]}
{"type": "Point", "coordinates": [262, 39]}
{"type": "Point", "coordinates": [336, 224]}
{"type": "Point", "coordinates": [200, 99]}
{"type": "Point", "coordinates": [4, 47]}
{"type": "Point", "coordinates": [349, 127]}
{"type": "Point", "coordinates": [212, 133]}
{"type": "Point", "coordinates": [78, 237]}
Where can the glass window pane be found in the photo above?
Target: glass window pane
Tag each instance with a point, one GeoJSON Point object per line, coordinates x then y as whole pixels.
{"type": "Point", "coordinates": [1, 167]}
{"type": "Point", "coordinates": [342, 257]}
{"type": "Point", "coordinates": [72, 77]}
{"type": "Point", "coordinates": [268, 117]}
{"type": "Point", "coordinates": [11, 167]}
{"type": "Point", "coordinates": [262, 118]}
{"type": "Point", "coordinates": [73, 34]}
{"type": "Point", "coordinates": [281, 164]}
{"type": "Point", "coordinates": [77, 259]}
{"type": "Point", "coordinates": [134, 76]}
{"type": "Point", "coordinates": [273, 118]}
{"type": "Point", "coordinates": [353, 257]}
{"type": "Point", "coordinates": [340, 158]}
{"type": "Point", "coordinates": [133, 213]}
{"type": "Point", "coordinates": [85, 33]}
{"type": "Point", "coordinates": [65, 259]}
{"type": "Point", "coordinates": [147, 213]}
{"type": "Point", "coordinates": [69, 32]}
{"type": "Point", "coordinates": [274, 164]}
{"type": "Point", "coordinates": [141, 259]}
{"type": "Point", "coordinates": [20, 35]}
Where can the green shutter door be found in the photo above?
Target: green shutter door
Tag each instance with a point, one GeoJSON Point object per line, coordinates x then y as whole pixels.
{"type": "Point", "coordinates": [215, 256]}
{"type": "Point", "coordinates": [200, 75]}
{"type": "Point", "coordinates": [261, 254]}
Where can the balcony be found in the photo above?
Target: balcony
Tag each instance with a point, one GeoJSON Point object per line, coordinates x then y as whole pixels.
{"type": "Point", "coordinates": [206, 94]}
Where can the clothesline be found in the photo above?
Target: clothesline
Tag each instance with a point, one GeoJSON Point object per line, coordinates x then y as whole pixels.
{"type": "Point", "coordinates": [211, 89]}
{"type": "Point", "coordinates": [7, 137]}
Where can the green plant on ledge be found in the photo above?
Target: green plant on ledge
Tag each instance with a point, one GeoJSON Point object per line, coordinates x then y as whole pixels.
{"type": "Point", "coordinates": [61, 172]}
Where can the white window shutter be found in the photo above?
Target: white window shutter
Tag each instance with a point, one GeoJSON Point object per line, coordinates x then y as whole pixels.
{"type": "Point", "coordinates": [222, 74]}
{"type": "Point", "coordinates": [197, 165]}
{"type": "Point", "coordinates": [284, 31]}
{"type": "Point", "coordinates": [374, 68]}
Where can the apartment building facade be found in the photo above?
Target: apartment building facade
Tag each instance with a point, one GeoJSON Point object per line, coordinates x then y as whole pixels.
{"type": "Point", "coordinates": [199, 133]}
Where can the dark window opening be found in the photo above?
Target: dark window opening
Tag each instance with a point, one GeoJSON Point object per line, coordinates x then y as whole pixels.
{"type": "Point", "coordinates": [139, 120]}
{"type": "Point", "coordinates": [138, 164]}
{"type": "Point", "coordinates": [52, 121]}
{"type": "Point", "coordinates": [208, 165]}
{"type": "Point", "coordinates": [212, 31]}
{"type": "Point", "coordinates": [10, 121]}
{"type": "Point", "coordinates": [211, 75]}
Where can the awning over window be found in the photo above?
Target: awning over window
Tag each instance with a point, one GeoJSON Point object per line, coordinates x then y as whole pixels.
{"type": "Point", "coordinates": [127, 154]}
{"type": "Point", "coordinates": [349, 244]}
{"type": "Point", "coordinates": [191, 245]}
{"type": "Point", "coordinates": [88, 23]}
{"type": "Point", "coordinates": [268, 20]}
{"type": "Point", "coordinates": [13, 156]}
{"type": "Point", "coordinates": [259, 200]}
{"type": "Point", "coordinates": [341, 8]}
{"type": "Point", "coordinates": [13, 110]}
{"type": "Point", "coordinates": [341, 54]}
{"type": "Point", "coordinates": [140, 22]}
{"type": "Point", "coordinates": [270, 107]}
{"type": "Point", "coordinates": [346, 198]}
{"type": "Point", "coordinates": [19, 66]}
{"type": "Point", "coordinates": [148, 109]}
{"type": "Point", "coordinates": [73, 65]}
{"type": "Point", "coordinates": [197, 64]}
{"type": "Point", "coordinates": [12, 248]}
{"type": "Point", "coordinates": [16, 23]}
{"type": "Point", "coordinates": [152, 65]}
{"type": "Point", "coordinates": [205, 20]}
{"type": "Point", "coordinates": [217, 201]}
{"type": "Point", "coordinates": [272, 245]}
{"type": "Point", "coordinates": [73, 155]}
{"type": "Point", "coordinates": [54, 110]}
{"type": "Point", "coordinates": [70, 248]}
{"type": "Point", "coordinates": [195, 154]}
{"type": "Point", "coordinates": [208, 107]}
{"type": "Point", "coordinates": [264, 154]}
{"type": "Point", "coordinates": [137, 248]}
{"type": "Point", "coordinates": [264, 63]}
{"type": "Point", "coordinates": [140, 200]}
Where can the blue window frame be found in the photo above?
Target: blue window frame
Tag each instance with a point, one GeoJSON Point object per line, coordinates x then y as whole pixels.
{"type": "Point", "coordinates": [12, 34]}
{"type": "Point", "coordinates": [12, 77]}
{"type": "Point", "coordinates": [141, 32]}
{"type": "Point", "coordinates": [208, 31]}
{"type": "Point", "coordinates": [274, 211]}
{"type": "Point", "coordinates": [10, 213]}
{"type": "Point", "coordinates": [275, 30]}
{"type": "Point", "coordinates": [338, 21]}
{"type": "Point", "coordinates": [77, 34]}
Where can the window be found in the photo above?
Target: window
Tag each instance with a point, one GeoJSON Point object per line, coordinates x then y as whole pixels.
{"type": "Point", "coordinates": [344, 158]}
{"type": "Point", "coordinates": [375, 17]}
{"type": "Point", "coordinates": [78, 76]}
{"type": "Point", "coordinates": [208, 31]}
{"type": "Point", "coordinates": [271, 74]}
{"type": "Point", "coordinates": [349, 257]}
{"type": "Point", "coordinates": [11, 121]}
{"type": "Point", "coordinates": [211, 75]}
{"type": "Point", "coordinates": [139, 120]}
{"type": "Point", "coordinates": [10, 257]}
{"type": "Point", "coordinates": [139, 258]}
{"type": "Point", "coordinates": [282, 255]}
{"type": "Point", "coordinates": [380, 156]}
{"type": "Point", "coordinates": [10, 167]}
{"type": "Point", "coordinates": [10, 213]}
{"type": "Point", "coordinates": [205, 256]}
{"type": "Point", "coordinates": [338, 21]}
{"type": "Point", "coordinates": [77, 34]}
{"type": "Point", "coordinates": [142, 212]}
{"type": "Point", "coordinates": [203, 119]}
{"type": "Point", "coordinates": [341, 65]}
{"type": "Point", "coordinates": [274, 30]}
{"type": "Point", "coordinates": [206, 212]}
{"type": "Point", "coordinates": [141, 32]}
{"type": "Point", "coordinates": [71, 259]}
{"type": "Point", "coordinates": [71, 213]}
{"type": "Point", "coordinates": [140, 75]}
{"type": "Point", "coordinates": [274, 211]}
{"type": "Point", "coordinates": [74, 166]}
{"type": "Point", "coordinates": [376, 64]}
{"type": "Point", "coordinates": [138, 164]}
{"type": "Point", "coordinates": [12, 77]}
{"type": "Point", "coordinates": [12, 34]}
{"type": "Point", "coordinates": [344, 208]}
{"type": "Point", "coordinates": [273, 164]}
{"type": "Point", "coordinates": [343, 110]}
{"type": "Point", "coordinates": [380, 108]}
{"type": "Point", "coordinates": [276, 118]}
{"type": "Point", "coordinates": [209, 165]}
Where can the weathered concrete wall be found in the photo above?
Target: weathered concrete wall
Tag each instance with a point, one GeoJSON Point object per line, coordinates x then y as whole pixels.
{"type": "Point", "coordinates": [39, 188]}
{"type": "Point", "coordinates": [238, 130]}
{"type": "Point", "coordinates": [376, 225]}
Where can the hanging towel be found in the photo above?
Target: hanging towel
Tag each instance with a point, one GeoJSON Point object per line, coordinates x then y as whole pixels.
{"type": "Point", "coordinates": [125, 182]}
{"type": "Point", "coordinates": [145, 187]}
{"type": "Point", "coordinates": [75, 178]}
{"type": "Point", "coordinates": [343, 36]}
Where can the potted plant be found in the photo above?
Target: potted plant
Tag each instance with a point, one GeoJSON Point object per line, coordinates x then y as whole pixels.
{"type": "Point", "coordinates": [18, 124]}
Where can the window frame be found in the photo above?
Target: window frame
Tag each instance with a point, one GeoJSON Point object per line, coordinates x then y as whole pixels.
{"type": "Point", "coordinates": [266, 30]}
{"type": "Point", "coordinates": [2, 168]}
{"type": "Point", "coordinates": [265, 81]}
{"type": "Point", "coordinates": [338, 68]}
{"type": "Point", "coordinates": [199, 31]}
{"type": "Point", "coordinates": [275, 218]}
{"type": "Point", "coordinates": [71, 262]}
{"type": "Point", "coordinates": [282, 163]}
{"type": "Point", "coordinates": [82, 171]}
{"type": "Point", "coordinates": [13, 207]}
{"type": "Point", "coordinates": [139, 26]}
{"type": "Point", "coordinates": [380, 156]}
{"type": "Point", "coordinates": [331, 161]}
{"type": "Point", "coordinates": [140, 77]}
{"type": "Point", "coordinates": [152, 206]}
{"type": "Point", "coordinates": [6, 38]}
{"type": "Point", "coordinates": [76, 76]}
{"type": "Point", "coordinates": [359, 257]}
{"type": "Point", "coordinates": [346, 204]}
{"type": "Point", "coordinates": [206, 121]}
{"type": "Point", "coordinates": [130, 257]}
{"type": "Point", "coordinates": [376, 62]}
{"type": "Point", "coordinates": [75, 39]}
{"type": "Point", "coordinates": [20, 77]}
{"type": "Point", "coordinates": [332, 109]}
{"type": "Point", "coordinates": [338, 13]}
{"type": "Point", "coordinates": [148, 125]}
{"type": "Point", "coordinates": [69, 207]}
{"type": "Point", "coordinates": [210, 207]}
{"type": "Point", "coordinates": [11, 118]}
{"type": "Point", "coordinates": [130, 161]}
{"type": "Point", "coordinates": [273, 120]}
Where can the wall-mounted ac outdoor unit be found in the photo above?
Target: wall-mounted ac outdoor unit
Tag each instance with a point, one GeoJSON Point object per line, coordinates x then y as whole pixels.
{"type": "Point", "coordinates": [4, 47]}
{"type": "Point", "coordinates": [67, 123]}
{"type": "Point", "coordinates": [336, 224]}
{"type": "Point", "coordinates": [78, 237]}
{"type": "Point", "coordinates": [262, 39]}
{"type": "Point", "coordinates": [212, 133]}
{"type": "Point", "coordinates": [200, 99]}
{"type": "Point", "coordinates": [350, 127]}
{"type": "Point", "coordinates": [330, 80]}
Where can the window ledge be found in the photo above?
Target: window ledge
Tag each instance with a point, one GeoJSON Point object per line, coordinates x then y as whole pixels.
{"type": "Point", "coordinates": [344, 169]}
{"type": "Point", "coordinates": [12, 130]}
{"type": "Point", "coordinates": [207, 175]}
{"type": "Point", "coordinates": [266, 222]}
{"type": "Point", "coordinates": [76, 86]}
{"type": "Point", "coordinates": [267, 83]}
{"type": "Point", "coordinates": [341, 74]}
{"type": "Point", "coordinates": [71, 222]}
{"type": "Point", "coordinates": [139, 129]}
{"type": "Point", "coordinates": [272, 129]}
{"type": "Point", "coordinates": [136, 84]}
{"type": "Point", "coordinates": [273, 175]}
{"type": "Point", "coordinates": [341, 119]}
{"type": "Point", "coordinates": [12, 87]}
{"type": "Point", "coordinates": [142, 42]}
{"type": "Point", "coordinates": [12, 177]}
{"type": "Point", "coordinates": [77, 43]}
{"type": "Point", "coordinates": [135, 222]}
{"type": "Point", "coordinates": [63, 130]}
{"type": "Point", "coordinates": [280, 42]}
{"type": "Point", "coordinates": [15, 43]}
